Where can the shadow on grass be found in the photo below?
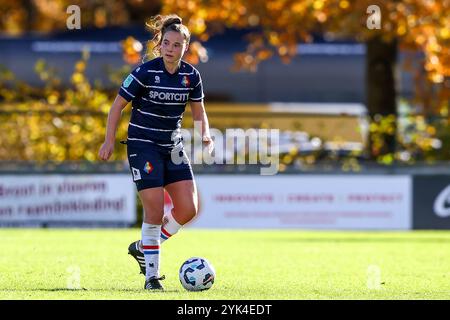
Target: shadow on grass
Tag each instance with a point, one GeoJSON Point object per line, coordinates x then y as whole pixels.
{"type": "Point", "coordinates": [88, 290]}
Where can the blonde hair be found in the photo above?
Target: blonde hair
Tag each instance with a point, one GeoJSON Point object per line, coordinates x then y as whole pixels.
{"type": "Point", "coordinates": [161, 24]}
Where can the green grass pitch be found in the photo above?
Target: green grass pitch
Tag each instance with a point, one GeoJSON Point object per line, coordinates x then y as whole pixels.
{"type": "Point", "coordinates": [294, 264]}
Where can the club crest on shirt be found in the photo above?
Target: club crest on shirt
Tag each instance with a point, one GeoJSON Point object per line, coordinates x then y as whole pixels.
{"type": "Point", "coordinates": [185, 81]}
{"type": "Point", "coordinates": [157, 80]}
{"type": "Point", "coordinates": [148, 167]}
{"type": "Point", "coordinates": [128, 81]}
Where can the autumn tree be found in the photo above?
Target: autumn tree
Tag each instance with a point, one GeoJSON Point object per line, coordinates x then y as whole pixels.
{"type": "Point", "coordinates": [279, 25]}
{"type": "Point", "coordinates": [19, 17]}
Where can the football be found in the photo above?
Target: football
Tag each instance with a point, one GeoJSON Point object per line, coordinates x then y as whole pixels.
{"type": "Point", "coordinates": [197, 274]}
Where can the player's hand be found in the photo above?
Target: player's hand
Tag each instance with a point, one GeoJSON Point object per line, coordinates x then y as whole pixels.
{"type": "Point", "coordinates": [106, 150]}
{"type": "Point", "coordinates": [209, 143]}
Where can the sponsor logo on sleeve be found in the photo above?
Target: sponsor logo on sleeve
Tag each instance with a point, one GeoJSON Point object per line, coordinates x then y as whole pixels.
{"type": "Point", "coordinates": [128, 81]}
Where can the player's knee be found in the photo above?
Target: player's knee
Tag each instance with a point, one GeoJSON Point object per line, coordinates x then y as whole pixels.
{"type": "Point", "coordinates": [153, 214]}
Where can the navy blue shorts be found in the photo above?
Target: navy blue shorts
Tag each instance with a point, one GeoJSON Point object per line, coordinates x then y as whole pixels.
{"type": "Point", "coordinates": [152, 166]}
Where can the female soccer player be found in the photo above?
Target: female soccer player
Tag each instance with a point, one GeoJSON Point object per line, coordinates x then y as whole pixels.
{"type": "Point", "coordinates": [159, 90]}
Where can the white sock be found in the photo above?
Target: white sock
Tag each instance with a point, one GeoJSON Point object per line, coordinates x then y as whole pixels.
{"type": "Point", "coordinates": [150, 245]}
{"type": "Point", "coordinates": [170, 226]}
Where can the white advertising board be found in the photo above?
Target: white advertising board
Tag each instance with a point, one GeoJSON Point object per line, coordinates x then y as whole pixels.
{"type": "Point", "coordinates": [304, 201]}
{"type": "Point", "coordinates": [67, 198]}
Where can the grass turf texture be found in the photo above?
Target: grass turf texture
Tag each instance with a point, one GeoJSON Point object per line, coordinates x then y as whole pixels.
{"type": "Point", "coordinates": [34, 264]}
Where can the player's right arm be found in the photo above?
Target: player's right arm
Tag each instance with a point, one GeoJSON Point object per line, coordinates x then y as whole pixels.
{"type": "Point", "coordinates": [131, 88]}
{"type": "Point", "coordinates": [107, 148]}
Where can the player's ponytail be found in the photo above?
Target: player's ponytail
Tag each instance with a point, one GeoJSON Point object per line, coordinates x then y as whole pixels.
{"type": "Point", "coordinates": [159, 25]}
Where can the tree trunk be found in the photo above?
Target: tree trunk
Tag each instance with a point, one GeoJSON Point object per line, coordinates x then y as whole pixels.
{"type": "Point", "coordinates": [381, 59]}
{"type": "Point", "coordinates": [31, 15]}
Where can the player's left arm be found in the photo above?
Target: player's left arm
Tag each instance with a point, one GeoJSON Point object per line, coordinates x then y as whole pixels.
{"type": "Point", "coordinates": [199, 114]}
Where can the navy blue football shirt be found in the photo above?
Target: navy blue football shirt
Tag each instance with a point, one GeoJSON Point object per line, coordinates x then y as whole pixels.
{"type": "Point", "coordinates": [159, 100]}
